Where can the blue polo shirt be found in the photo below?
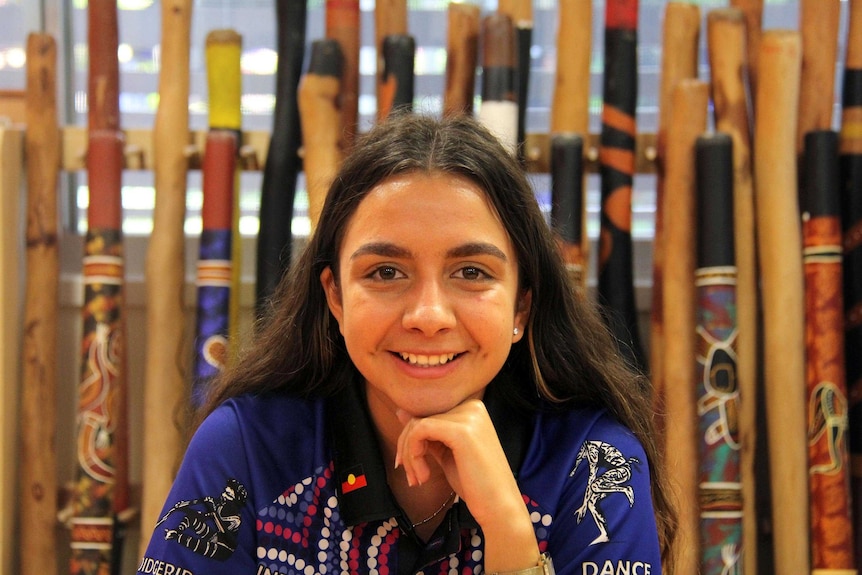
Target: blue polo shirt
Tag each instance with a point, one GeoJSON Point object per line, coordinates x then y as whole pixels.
{"type": "Point", "coordinates": [276, 484]}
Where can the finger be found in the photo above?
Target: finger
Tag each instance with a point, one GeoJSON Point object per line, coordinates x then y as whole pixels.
{"type": "Point", "coordinates": [405, 418]}
{"type": "Point", "coordinates": [406, 455]}
{"type": "Point", "coordinates": [415, 458]}
{"type": "Point", "coordinates": [427, 441]}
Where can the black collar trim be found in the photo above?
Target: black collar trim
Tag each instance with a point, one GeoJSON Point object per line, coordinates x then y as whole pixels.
{"type": "Point", "coordinates": [362, 488]}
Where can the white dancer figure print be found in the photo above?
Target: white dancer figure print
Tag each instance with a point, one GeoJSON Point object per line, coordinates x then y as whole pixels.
{"type": "Point", "coordinates": [610, 472]}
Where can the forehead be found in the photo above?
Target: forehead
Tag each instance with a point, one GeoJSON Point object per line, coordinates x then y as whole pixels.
{"type": "Point", "coordinates": [425, 204]}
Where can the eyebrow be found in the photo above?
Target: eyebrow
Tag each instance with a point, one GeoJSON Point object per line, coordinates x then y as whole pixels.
{"type": "Point", "coordinates": [384, 249]}
{"type": "Point", "coordinates": [475, 249]}
{"type": "Point", "coordinates": [389, 250]}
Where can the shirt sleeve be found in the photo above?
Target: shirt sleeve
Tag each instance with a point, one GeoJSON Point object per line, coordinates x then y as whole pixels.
{"type": "Point", "coordinates": [207, 524]}
{"type": "Point", "coordinates": [601, 520]}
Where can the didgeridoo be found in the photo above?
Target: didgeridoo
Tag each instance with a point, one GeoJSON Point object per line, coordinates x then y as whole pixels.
{"type": "Point", "coordinates": [214, 267]}
{"type": "Point", "coordinates": [396, 86]}
{"type": "Point", "coordinates": [850, 152]}
{"type": "Point", "coordinates": [752, 11]}
{"type": "Point", "coordinates": [818, 22]}
{"type": "Point", "coordinates": [321, 121]}
{"type": "Point", "coordinates": [782, 281]}
{"type": "Point", "coordinates": [570, 107]}
{"type": "Point", "coordinates": [616, 169]}
{"type": "Point", "coordinates": [283, 164]}
{"type": "Point", "coordinates": [567, 201]}
{"type": "Point", "coordinates": [342, 25]}
{"type": "Point", "coordinates": [521, 13]}
{"type": "Point", "coordinates": [688, 122]}
{"type": "Point", "coordinates": [223, 50]}
{"type": "Point", "coordinates": [217, 266]}
{"type": "Point", "coordinates": [726, 48]}
{"type": "Point", "coordinates": [499, 109]}
{"type": "Point", "coordinates": [462, 56]}
{"type": "Point", "coordinates": [101, 490]}
{"type": "Point", "coordinates": [166, 372]}
{"type": "Point", "coordinates": [679, 61]}
{"type": "Point", "coordinates": [718, 393]}
{"type": "Point", "coordinates": [828, 454]}
{"type": "Point", "coordinates": [390, 19]}
{"type": "Point", "coordinates": [38, 456]}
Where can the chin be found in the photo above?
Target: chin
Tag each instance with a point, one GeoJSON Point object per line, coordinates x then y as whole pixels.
{"type": "Point", "coordinates": [427, 410]}
{"type": "Point", "coordinates": [433, 405]}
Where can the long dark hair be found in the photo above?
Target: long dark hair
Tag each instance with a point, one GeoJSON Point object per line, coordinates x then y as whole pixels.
{"type": "Point", "coordinates": [568, 355]}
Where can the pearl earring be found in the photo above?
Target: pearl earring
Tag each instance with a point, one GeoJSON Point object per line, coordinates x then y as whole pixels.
{"type": "Point", "coordinates": [515, 331]}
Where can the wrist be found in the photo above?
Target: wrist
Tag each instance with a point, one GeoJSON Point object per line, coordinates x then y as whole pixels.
{"type": "Point", "coordinates": [545, 566]}
{"type": "Point", "coordinates": [510, 541]}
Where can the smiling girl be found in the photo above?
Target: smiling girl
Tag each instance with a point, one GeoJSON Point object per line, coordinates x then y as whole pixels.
{"type": "Point", "coordinates": [427, 394]}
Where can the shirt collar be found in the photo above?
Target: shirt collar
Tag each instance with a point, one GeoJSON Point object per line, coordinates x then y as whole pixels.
{"type": "Point", "coordinates": [363, 492]}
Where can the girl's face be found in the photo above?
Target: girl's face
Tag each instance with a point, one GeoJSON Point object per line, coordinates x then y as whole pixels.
{"type": "Point", "coordinates": [427, 299]}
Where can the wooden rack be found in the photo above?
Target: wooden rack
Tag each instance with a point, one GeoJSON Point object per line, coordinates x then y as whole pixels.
{"type": "Point", "coordinates": [139, 150]}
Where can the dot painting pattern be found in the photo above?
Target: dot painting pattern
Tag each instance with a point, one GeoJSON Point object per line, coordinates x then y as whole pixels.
{"type": "Point", "coordinates": [302, 533]}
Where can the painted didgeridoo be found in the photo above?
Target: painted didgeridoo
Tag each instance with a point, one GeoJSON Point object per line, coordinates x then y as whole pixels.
{"type": "Point", "coordinates": [616, 169]}
{"type": "Point", "coordinates": [828, 452]}
{"type": "Point", "coordinates": [718, 393]}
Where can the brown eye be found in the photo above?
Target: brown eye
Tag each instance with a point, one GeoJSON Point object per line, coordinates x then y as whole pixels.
{"type": "Point", "coordinates": [386, 273]}
{"type": "Point", "coordinates": [472, 273]}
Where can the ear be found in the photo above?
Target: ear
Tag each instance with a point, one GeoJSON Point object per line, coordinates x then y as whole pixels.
{"type": "Point", "coordinates": [522, 314]}
{"type": "Point", "coordinates": [333, 294]}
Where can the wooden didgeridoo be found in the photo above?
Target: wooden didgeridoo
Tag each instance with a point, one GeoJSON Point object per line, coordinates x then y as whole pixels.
{"type": "Point", "coordinates": [342, 25]}
{"type": "Point", "coordinates": [570, 108]}
{"type": "Point", "coordinates": [850, 153]}
{"type": "Point", "coordinates": [165, 411]}
{"type": "Point", "coordinates": [818, 22]}
{"type": "Point", "coordinates": [570, 113]}
{"type": "Point", "coordinates": [828, 454]}
{"type": "Point", "coordinates": [321, 122]}
{"type": "Point", "coordinates": [679, 61]}
{"type": "Point", "coordinates": [726, 48]}
{"type": "Point", "coordinates": [462, 56]}
{"type": "Point", "coordinates": [779, 246]}
{"type": "Point", "coordinates": [718, 393]}
{"type": "Point", "coordinates": [752, 11]}
{"type": "Point", "coordinates": [37, 511]}
{"type": "Point", "coordinates": [687, 123]}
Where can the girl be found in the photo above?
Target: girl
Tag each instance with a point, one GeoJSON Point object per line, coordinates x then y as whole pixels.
{"type": "Point", "coordinates": [427, 394]}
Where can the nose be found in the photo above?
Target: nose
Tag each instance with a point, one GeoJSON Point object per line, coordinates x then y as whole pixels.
{"type": "Point", "coordinates": [428, 310]}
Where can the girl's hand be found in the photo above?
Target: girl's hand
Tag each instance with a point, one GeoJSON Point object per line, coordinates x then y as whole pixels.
{"type": "Point", "coordinates": [464, 443]}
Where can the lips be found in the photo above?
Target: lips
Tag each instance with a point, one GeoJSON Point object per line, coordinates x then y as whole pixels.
{"type": "Point", "coordinates": [422, 360]}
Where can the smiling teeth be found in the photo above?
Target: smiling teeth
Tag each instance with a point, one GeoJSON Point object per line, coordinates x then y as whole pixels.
{"type": "Point", "coordinates": [427, 360]}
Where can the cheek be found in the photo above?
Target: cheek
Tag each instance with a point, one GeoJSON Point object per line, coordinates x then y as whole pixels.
{"type": "Point", "coordinates": [363, 317]}
{"type": "Point", "coordinates": [492, 321]}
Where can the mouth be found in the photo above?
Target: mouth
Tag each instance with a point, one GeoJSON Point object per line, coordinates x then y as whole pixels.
{"type": "Point", "coordinates": [421, 360]}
